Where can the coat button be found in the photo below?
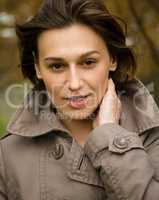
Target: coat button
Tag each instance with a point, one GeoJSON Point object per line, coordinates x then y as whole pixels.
{"type": "Point", "coordinates": [57, 152]}
{"type": "Point", "coordinates": [121, 142]}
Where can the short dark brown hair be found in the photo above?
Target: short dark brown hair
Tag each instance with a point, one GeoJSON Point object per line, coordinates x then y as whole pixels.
{"type": "Point", "coordinates": [63, 13]}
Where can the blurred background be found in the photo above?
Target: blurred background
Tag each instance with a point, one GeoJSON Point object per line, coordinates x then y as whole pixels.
{"type": "Point", "coordinates": [142, 18]}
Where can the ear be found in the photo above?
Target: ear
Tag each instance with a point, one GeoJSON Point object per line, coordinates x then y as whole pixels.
{"type": "Point", "coordinates": [113, 65]}
{"type": "Point", "coordinates": [38, 74]}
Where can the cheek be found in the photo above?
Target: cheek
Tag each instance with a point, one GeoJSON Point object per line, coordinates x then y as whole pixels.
{"type": "Point", "coordinates": [54, 86]}
{"type": "Point", "coordinates": [49, 83]}
{"type": "Point", "coordinates": [48, 80]}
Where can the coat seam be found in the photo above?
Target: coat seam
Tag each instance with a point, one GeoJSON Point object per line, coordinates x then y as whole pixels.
{"type": "Point", "coordinates": [4, 168]}
{"type": "Point", "coordinates": [42, 174]}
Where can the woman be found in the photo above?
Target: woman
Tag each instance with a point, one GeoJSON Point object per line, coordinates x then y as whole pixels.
{"type": "Point", "coordinates": [88, 129]}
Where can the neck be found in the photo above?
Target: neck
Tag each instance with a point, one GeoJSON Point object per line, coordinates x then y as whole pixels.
{"type": "Point", "coordinates": [79, 129]}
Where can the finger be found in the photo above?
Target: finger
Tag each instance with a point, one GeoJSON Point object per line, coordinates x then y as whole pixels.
{"type": "Point", "coordinates": [119, 106]}
{"type": "Point", "coordinates": [111, 93]}
{"type": "Point", "coordinates": [111, 83]}
{"type": "Point", "coordinates": [111, 86]}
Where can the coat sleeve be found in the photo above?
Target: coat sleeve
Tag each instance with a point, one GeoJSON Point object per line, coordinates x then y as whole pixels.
{"type": "Point", "coordinates": [127, 170]}
{"type": "Point", "coordinates": [3, 193]}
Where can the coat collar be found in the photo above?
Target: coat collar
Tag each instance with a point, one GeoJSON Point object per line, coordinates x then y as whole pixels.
{"type": "Point", "coordinates": [139, 110]}
{"type": "Point", "coordinates": [139, 113]}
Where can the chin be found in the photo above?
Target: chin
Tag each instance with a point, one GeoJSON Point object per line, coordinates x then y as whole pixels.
{"type": "Point", "coordinates": [78, 114]}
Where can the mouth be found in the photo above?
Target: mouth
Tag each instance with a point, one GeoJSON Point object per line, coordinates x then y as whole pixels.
{"type": "Point", "coordinates": [74, 98]}
{"type": "Point", "coordinates": [78, 102]}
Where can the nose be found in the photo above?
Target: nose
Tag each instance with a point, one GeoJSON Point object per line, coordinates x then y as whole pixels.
{"type": "Point", "coordinates": [74, 79]}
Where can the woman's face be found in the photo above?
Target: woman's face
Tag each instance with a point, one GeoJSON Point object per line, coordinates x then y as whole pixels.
{"type": "Point", "coordinates": [74, 61]}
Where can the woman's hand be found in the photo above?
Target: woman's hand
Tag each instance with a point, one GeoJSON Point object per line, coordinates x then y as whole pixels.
{"type": "Point", "coordinates": [110, 108]}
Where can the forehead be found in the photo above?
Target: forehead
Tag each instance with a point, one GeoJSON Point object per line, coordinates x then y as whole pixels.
{"type": "Point", "coordinates": [74, 38]}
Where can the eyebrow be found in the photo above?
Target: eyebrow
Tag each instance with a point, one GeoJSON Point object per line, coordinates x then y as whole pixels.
{"type": "Point", "coordinates": [61, 59]}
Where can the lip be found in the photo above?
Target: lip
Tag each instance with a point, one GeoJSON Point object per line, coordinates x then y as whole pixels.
{"type": "Point", "coordinates": [77, 97]}
{"type": "Point", "coordinates": [78, 102]}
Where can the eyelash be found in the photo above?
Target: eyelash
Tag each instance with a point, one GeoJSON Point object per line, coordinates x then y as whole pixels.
{"type": "Point", "coordinates": [55, 64]}
{"type": "Point", "coordinates": [90, 61]}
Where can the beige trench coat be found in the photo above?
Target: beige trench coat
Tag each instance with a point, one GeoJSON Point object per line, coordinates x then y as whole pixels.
{"type": "Point", "coordinates": [39, 160]}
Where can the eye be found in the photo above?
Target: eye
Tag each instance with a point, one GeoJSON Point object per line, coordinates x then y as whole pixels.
{"type": "Point", "coordinates": [90, 62]}
{"type": "Point", "coordinates": [56, 66]}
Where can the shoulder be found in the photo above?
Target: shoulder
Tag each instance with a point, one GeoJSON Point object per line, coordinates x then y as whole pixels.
{"type": "Point", "coordinates": [151, 145]}
{"type": "Point", "coordinates": [151, 138]}
{"type": "Point", "coordinates": [18, 152]}
{"type": "Point", "coordinates": [12, 145]}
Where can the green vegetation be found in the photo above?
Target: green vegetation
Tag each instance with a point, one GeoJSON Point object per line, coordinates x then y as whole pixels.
{"type": "Point", "coordinates": [3, 123]}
